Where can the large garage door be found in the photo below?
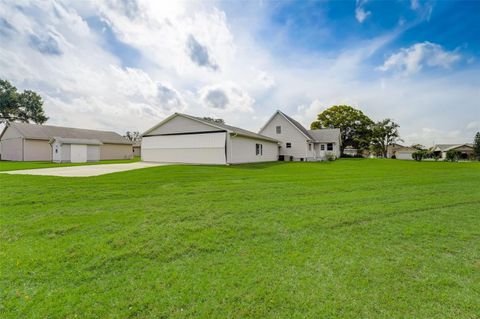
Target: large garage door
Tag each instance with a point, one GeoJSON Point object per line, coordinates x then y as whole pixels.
{"type": "Point", "coordinates": [205, 148]}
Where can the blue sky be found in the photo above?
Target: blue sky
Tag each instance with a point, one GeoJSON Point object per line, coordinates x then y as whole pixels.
{"type": "Point", "coordinates": [127, 64]}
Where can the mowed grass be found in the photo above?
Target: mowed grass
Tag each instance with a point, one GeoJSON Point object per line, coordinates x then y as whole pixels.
{"type": "Point", "coordinates": [11, 166]}
{"type": "Point", "coordinates": [347, 239]}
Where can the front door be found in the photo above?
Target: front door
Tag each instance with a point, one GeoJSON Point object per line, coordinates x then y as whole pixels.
{"type": "Point", "coordinates": [78, 153]}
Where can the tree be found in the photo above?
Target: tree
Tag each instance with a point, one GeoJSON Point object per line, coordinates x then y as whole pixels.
{"type": "Point", "coordinates": [453, 156]}
{"type": "Point", "coordinates": [355, 127]}
{"type": "Point", "coordinates": [384, 133]}
{"type": "Point", "coordinates": [419, 155]}
{"type": "Point", "coordinates": [24, 107]}
{"type": "Point", "coordinates": [133, 136]}
{"type": "Point", "coordinates": [476, 146]}
{"type": "Point", "coordinates": [211, 119]}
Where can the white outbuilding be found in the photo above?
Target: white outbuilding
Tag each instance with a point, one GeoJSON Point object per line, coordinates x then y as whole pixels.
{"type": "Point", "coordinates": [182, 138]}
{"type": "Point", "coordinates": [75, 150]}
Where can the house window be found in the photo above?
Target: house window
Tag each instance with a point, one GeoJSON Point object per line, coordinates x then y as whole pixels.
{"type": "Point", "coordinates": [322, 147]}
{"type": "Point", "coordinates": [288, 145]}
{"type": "Point", "coordinates": [259, 149]}
{"type": "Point", "coordinates": [279, 129]}
{"type": "Point", "coordinates": [309, 147]}
{"type": "Point", "coordinates": [330, 147]}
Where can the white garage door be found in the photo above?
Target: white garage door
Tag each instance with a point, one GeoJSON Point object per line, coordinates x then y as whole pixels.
{"type": "Point", "coordinates": [78, 153]}
{"type": "Point", "coordinates": [404, 155]}
{"type": "Point", "coordinates": [206, 148]}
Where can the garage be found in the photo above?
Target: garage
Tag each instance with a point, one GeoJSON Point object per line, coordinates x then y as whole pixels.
{"type": "Point", "coordinates": [183, 138]}
{"type": "Point", "coordinates": [72, 150]}
{"type": "Point", "coordinates": [404, 155]}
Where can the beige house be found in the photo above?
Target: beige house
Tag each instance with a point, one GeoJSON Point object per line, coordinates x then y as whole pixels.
{"type": "Point", "coordinates": [466, 150]}
{"type": "Point", "coordinates": [182, 138]}
{"type": "Point", "coordinates": [30, 142]}
{"type": "Point", "coordinates": [299, 144]}
{"type": "Point", "coordinates": [400, 151]}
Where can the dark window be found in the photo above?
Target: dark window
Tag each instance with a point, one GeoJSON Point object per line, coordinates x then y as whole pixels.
{"type": "Point", "coordinates": [279, 129]}
{"type": "Point", "coordinates": [330, 147]}
{"type": "Point", "coordinates": [288, 145]}
{"type": "Point", "coordinates": [309, 147]}
{"type": "Point", "coordinates": [258, 149]}
{"type": "Point", "coordinates": [322, 147]}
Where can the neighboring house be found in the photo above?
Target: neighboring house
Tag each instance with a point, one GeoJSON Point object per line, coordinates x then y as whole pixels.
{"type": "Point", "coordinates": [349, 150]}
{"type": "Point", "coordinates": [75, 150]}
{"type": "Point", "coordinates": [299, 144]}
{"type": "Point", "coordinates": [400, 151]}
{"type": "Point", "coordinates": [466, 150]}
{"type": "Point", "coordinates": [182, 138]}
{"type": "Point", "coordinates": [30, 142]}
{"type": "Point", "coordinates": [137, 148]}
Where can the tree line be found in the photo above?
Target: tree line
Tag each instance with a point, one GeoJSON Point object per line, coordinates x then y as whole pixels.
{"type": "Point", "coordinates": [358, 130]}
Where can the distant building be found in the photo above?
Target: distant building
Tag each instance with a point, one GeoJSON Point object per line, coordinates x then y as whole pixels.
{"type": "Point", "coordinates": [399, 151]}
{"type": "Point", "coordinates": [137, 148]}
{"type": "Point", "coordinates": [31, 142]}
{"type": "Point", "coordinates": [466, 150]}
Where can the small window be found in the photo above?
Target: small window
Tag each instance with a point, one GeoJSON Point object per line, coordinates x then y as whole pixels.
{"type": "Point", "coordinates": [309, 147]}
{"type": "Point", "coordinates": [330, 147]}
{"type": "Point", "coordinates": [288, 145]}
{"type": "Point", "coordinates": [258, 149]}
{"type": "Point", "coordinates": [322, 147]}
{"type": "Point", "coordinates": [279, 129]}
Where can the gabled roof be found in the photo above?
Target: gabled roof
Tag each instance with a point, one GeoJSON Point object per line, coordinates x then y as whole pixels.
{"type": "Point", "coordinates": [328, 135]}
{"type": "Point", "coordinates": [320, 135]}
{"type": "Point", "coordinates": [47, 132]}
{"type": "Point", "coordinates": [220, 126]}
{"type": "Point", "coordinates": [447, 147]}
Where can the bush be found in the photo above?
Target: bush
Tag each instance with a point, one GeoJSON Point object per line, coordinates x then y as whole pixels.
{"type": "Point", "coordinates": [330, 157]}
{"type": "Point", "coordinates": [419, 155]}
{"type": "Point", "coordinates": [453, 156]}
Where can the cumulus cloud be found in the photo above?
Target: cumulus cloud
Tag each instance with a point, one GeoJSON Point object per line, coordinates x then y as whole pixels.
{"type": "Point", "coordinates": [360, 13]}
{"type": "Point", "coordinates": [226, 96]}
{"type": "Point", "coordinates": [412, 59]}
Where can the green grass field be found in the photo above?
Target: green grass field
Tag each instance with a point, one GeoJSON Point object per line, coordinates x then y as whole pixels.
{"type": "Point", "coordinates": [347, 239]}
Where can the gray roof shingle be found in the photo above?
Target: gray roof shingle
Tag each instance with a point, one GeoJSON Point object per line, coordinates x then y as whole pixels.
{"type": "Point", "coordinates": [328, 135]}
{"type": "Point", "coordinates": [47, 132]}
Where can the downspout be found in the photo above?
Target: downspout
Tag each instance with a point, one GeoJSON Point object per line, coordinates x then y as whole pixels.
{"type": "Point", "coordinates": [23, 150]}
{"type": "Point", "coordinates": [231, 154]}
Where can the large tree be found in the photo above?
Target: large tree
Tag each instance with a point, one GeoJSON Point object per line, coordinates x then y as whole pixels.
{"type": "Point", "coordinates": [133, 136]}
{"type": "Point", "coordinates": [476, 145]}
{"type": "Point", "coordinates": [354, 126]}
{"type": "Point", "coordinates": [24, 107]}
{"type": "Point", "coordinates": [384, 133]}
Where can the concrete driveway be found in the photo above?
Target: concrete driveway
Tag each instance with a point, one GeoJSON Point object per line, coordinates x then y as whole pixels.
{"type": "Point", "coordinates": [86, 170]}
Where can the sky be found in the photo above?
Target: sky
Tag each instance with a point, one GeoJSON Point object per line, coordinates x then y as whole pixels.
{"type": "Point", "coordinates": [126, 65]}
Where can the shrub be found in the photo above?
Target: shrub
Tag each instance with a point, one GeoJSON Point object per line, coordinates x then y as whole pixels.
{"type": "Point", "coordinates": [419, 155]}
{"type": "Point", "coordinates": [453, 156]}
{"type": "Point", "coordinates": [329, 157]}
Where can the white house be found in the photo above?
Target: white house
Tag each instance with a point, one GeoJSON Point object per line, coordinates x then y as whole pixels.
{"type": "Point", "coordinates": [299, 144]}
{"type": "Point", "coordinates": [75, 150]}
{"type": "Point", "coordinates": [182, 138]}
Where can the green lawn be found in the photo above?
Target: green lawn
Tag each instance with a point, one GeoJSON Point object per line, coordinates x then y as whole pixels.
{"type": "Point", "coordinates": [10, 166]}
{"type": "Point", "coordinates": [347, 239]}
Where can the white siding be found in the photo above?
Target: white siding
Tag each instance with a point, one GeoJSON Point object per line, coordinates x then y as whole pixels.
{"type": "Point", "coordinates": [403, 155]}
{"type": "Point", "coordinates": [243, 150]}
{"type": "Point", "coordinates": [289, 134]}
{"type": "Point", "coordinates": [180, 124]}
{"type": "Point", "coordinates": [78, 153]}
{"type": "Point", "coordinates": [207, 148]}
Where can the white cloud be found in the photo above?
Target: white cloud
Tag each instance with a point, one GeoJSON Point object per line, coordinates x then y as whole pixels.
{"type": "Point", "coordinates": [414, 5]}
{"type": "Point", "coordinates": [360, 13]}
{"type": "Point", "coordinates": [412, 59]}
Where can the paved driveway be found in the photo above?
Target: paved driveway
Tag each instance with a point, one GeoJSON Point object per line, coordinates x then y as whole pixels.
{"type": "Point", "coordinates": [86, 170]}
